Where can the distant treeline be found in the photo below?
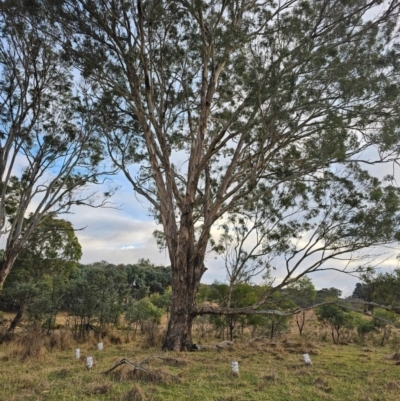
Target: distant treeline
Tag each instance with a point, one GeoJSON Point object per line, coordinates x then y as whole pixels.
{"type": "Point", "coordinates": [99, 294]}
{"type": "Point", "coordinates": [95, 293]}
{"type": "Point", "coordinates": [45, 282]}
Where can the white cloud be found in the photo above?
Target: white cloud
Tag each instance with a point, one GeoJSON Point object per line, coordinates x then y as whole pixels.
{"type": "Point", "coordinates": [115, 236]}
{"type": "Point", "coordinates": [126, 235]}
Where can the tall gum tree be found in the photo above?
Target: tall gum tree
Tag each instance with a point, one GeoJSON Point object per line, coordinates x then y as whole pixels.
{"type": "Point", "coordinates": [226, 103]}
{"type": "Point", "coordinates": [49, 151]}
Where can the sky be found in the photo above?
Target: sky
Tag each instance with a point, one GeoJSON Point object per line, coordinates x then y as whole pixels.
{"type": "Point", "coordinates": [123, 233]}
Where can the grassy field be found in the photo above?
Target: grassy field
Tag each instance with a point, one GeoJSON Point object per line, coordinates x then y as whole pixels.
{"type": "Point", "coordinates": [267, 372]}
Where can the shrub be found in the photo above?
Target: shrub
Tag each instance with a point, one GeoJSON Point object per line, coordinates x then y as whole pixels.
{"type": "Point", "coordinates": [338, 320]}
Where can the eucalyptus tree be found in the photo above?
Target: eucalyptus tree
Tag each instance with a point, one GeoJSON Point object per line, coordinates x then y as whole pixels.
{"type": "Point", "coordinates": [49, 151]}
{"type": "Point", "coordinates": [224, 104]}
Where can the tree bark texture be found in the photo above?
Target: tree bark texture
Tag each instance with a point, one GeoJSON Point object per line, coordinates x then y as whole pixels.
{"type": "Point", "coordinates": [179, 334]}
{"type": "Point", "coordinates": [187, 271]}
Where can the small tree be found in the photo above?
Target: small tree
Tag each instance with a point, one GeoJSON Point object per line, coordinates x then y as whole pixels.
{"type": "Point", "coordinates": [383, 320]}
{"type": "Point", "coordinates": [337, 319]}
{"type": "Point", "coordinates": [96, 293]}
{"type": "Point", "coordinates": [276, 324]}
{"type": "Point", "coordinates": [242, 295]}
{"type": "Point", "coordinates": [162, 301]}
{"type": "Point", "coordinates": [145, 314]}
{"type": "Point", "coordinates": [326, 294]}
{"type": "Point", "coordinates": [303, 294]}
{"type": "Point", "coordinates": [364, 327]}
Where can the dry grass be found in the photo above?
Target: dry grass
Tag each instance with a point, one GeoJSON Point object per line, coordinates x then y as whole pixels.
{"type": "Point", "coordinates": [135, 394]}
{"type": "Point", "coordinates": [43, 368]}
{"type": "Point", "coordinates": [96, 389]}
{"type": "Point", "coordinates": [158, 376]}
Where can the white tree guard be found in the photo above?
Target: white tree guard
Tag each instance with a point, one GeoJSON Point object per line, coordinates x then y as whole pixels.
{"type": "Point", "coordinates": [307, 359]}
{"type": "Point", "coordinates": [235, 367]}
{"type": "Point", "coordinates": [89, 362]}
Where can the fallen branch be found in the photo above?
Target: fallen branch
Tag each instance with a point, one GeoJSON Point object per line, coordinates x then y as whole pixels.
{"type": "Point", "coordinates": [127, 362]}
{"type": "Point", "coordinates": [138, 372]}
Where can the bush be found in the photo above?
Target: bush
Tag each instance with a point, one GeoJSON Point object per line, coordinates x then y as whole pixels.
{"type": "Point", "coordinates": [339, 321]}
{"type": "Point", "coordinates": [144, 314]}
{"type": "Point", "coordinates": [383, 321]}
{"type": "Point", "coordinates": [364, 327]}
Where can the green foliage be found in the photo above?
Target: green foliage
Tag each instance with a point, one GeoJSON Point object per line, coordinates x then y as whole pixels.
{"type": "Point", "coordinates": [162, 301]}
{"type": "Point", "coordinates": [244, 295]}
{"type": "Point", "coordinates": [145, 278]}
{"type": "Point", "coordinates": [275, 106]}
{"type": "Point", "coordinates": [241, 295]}
{"type": "Point", "coordinates": [96, 294]}
{"type": "Point", "coordinates": [303, 294]}
{"type": "Point", "coordinates": [382, 289]}
{"type": "Point", "coordinates": [327, 294]}
{"type": "Point", "coordinates": [386, 288]}
{"type": "Point", "coordinates": [337, 319]}
{"type": "Point", "coordinates": [37, 283]}
{"type": "Point", "coordinates": [382, 317]}
{"type": "Point", "coordinates": [383, 320]}
{"type": "Point", "coordinates": [363, 291]}
{"type": "Point", "coordinates": [47, 128]}
{"type": "Point", "coordinates": [143, 312]}
{"type": "Point", "coordinates": [274, 324]}
{"type": "Point", "coordinates": [204, 293]}
{"type": "Point", "coordinates": [365, 327]}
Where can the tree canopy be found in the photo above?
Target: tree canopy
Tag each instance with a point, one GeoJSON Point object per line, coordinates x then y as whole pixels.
{"type": "Point", "coordinates": [244, 113]}
{"type": "Point", "coordinates": [50, 153]}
